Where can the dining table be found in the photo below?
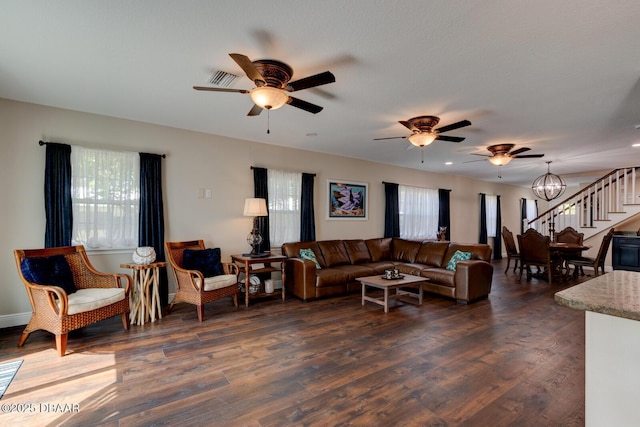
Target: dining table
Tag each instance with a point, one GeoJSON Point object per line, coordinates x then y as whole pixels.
{"type": "Point", "coordinates": [567, 251]}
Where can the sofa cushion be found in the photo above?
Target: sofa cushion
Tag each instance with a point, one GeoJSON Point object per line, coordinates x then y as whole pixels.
{"type": "Point", "coordinates": [380, 248]}
{"type": "Point", "coordinates": [358, 251]}
{"type": "Point", "coordinates": [334, 253]}
{"type": "Point", "coordinates": [456, 258]}
{"type": "Point", "coordinates": [51, 270]}
{"type": "Point", "coordinates": [355, 271]}
{"type": "Point", "coordinates": [440, 276]}
{"type": "Point", "coordinates": [432, 253]}
{"type": "Point", "coordinates": [380, 266]}
{"type": "Point", "coordinates": [331, 277]}
{"type": "Point", "coordinates": [405, 250]}
{"type": "Point", "coordinates": [310, 255]}
{"type": "Point", "coordinates": [206, 261]}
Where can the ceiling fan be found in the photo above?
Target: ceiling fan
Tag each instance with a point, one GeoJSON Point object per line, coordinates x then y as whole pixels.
{"type": "Point", "coordinates": [501, 154]}
{"type": "Point", "coordinates": [423, 133]}
{"type": "Point", "coordinates": [272, 80]}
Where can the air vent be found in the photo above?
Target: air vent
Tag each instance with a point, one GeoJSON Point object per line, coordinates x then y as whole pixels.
{"type": "Point", "coordinates": [222, 78]}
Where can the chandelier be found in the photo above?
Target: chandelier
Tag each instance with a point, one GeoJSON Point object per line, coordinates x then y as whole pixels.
{"type": "Point", "coordinates": [548, 186]}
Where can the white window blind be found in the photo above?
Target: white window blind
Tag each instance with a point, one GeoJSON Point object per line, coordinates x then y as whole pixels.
{"type": "Point", "coordinates": [418, 212]}
{"type": "Point", "coordinates": [492, 214]}
{"type": "Point", "coordinates": [105, 195]}
{"type": "Point", "coordinates": [285, 191]}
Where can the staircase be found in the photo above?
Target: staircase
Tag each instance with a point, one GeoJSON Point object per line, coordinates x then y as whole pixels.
{"type": "Point", "coordinates": [607, 202]}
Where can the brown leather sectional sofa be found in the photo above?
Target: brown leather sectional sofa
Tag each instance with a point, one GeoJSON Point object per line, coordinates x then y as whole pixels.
{"type": "Point", "coordinates": [342, 261]}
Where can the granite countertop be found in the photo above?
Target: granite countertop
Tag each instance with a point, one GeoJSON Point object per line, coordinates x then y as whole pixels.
{"type": "Point", "coordinates": [616, 293]}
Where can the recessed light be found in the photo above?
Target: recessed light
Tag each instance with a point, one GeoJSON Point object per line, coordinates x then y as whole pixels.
{"type": "Point", "coordinates": [448, 163]}
{"type": "Point", "coordinates": [636, 145]}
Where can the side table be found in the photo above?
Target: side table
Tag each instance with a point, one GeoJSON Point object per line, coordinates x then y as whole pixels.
{"type": "Point", "coordinates": [245, 265]}
{"type": "Point", "coordinates": [145, 295]}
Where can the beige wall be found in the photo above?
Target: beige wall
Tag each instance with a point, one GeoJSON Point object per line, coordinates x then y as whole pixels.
{"type": "Point", "coordinates": [198, 161]}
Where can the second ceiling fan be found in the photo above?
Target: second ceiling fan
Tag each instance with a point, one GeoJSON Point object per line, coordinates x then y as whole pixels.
{"type": "Point", "coordinates": [501, 154]}
{"type": "Point", "coordinates": [423, 132]}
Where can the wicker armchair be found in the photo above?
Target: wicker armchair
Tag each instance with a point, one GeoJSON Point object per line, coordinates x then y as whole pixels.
{"type": "Point", "coordinates": [99, 296]}
{"type": "Point", "coordinates": [188, 281]}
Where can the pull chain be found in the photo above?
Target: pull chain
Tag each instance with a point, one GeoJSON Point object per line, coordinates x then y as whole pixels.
{"type": "Point", "coordinates": [268, 121]}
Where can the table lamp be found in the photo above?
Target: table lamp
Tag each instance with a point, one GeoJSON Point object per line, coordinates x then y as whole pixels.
{"type": "Point", "coordinates": [255, 207]}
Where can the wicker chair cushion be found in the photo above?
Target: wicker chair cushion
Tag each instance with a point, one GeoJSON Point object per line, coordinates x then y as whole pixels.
{"type": "Point", "coordinates": [206, 261]}
{"type": "Point", "coordinates": [92, 298]}
{"type": "Point", "coordinates": [51, 270]}
{"type": "Point", "coordinates": [217, 282]}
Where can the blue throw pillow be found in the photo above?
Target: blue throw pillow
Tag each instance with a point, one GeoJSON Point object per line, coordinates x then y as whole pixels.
{"type": "Point", "coordinates": [456, 258]}
{"type": "Point", "coordinates": [310, 255]}
{"type": "Point", "coordinates": [206, 261]}
{"type": "Point", "coordinates": [51, 270]}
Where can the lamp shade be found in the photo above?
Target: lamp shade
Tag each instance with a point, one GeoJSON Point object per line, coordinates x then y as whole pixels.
{"type": "Point", "coordinates": [500, 159]}
{"type": "Point", "coordinates": [269, 97]}
{"type": "Point", "coordinates": [420, 139]}
{"type": "Point", "coordinates": [255, 207]}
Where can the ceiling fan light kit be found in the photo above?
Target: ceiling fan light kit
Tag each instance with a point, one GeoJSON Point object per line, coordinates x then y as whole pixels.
{"type": "Point", "coordinates": [422, 139]}
{"type": "Point", "coordinates": [269, 98]}
{"type": "Point", "coordinates": [500, 159]}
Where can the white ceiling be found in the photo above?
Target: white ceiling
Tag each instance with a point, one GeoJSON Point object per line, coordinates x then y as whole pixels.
{"type": "Point", "coordinates": [560, 77]}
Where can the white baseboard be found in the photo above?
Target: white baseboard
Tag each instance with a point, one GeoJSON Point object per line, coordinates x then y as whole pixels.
{"type": "Point", "coordinates": [18, 319]}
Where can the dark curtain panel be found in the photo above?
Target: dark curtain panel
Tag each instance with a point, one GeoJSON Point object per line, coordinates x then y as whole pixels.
{"type": "Point", "coordinates": [391, 210]}
{"type": "Point", "coordinates": [57, 196]}
{"type": "Point", "coordinates": [444, 211]}
{"type": "Point", "coordinates": [151, 219]}
{"type": "Point", "coordinates": [307, 213]}
{"type": "Point", "coordinates": [523, 213]}
{"type": "Point", "coordinates": [261, 190]}
{"type": "Point", "coordinates": [497, 241]}
{"type": "Point", "coordinates": [483, 219]}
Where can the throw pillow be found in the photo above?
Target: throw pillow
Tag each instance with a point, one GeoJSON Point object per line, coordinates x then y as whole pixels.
{"type": "Point", "coordinates": [456, 258]}
{"type": "Point", "coordinates": [206, 261]}
{"type": "Point", "coordinates": [310, 255]}
{"type": "Point", "coordinates": [50, 270]}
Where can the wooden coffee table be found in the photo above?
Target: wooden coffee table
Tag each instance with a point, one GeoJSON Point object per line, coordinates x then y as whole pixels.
{"type": "Point", "coordinates": [379, 282]}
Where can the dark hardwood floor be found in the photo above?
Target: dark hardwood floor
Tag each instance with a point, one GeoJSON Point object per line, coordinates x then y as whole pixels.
{"type": "Point", "coordinates": [516, 358]}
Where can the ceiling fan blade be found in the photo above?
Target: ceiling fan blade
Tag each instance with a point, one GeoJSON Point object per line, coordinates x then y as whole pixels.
{"type": "Point", "coordinates": [483, 155]}
{"type": "Point", "coordinates": [304, 105]}
{"type": "Point", "coordinates": [247, 66]}
{"type": "Point", "coordinates": [529, 156]}
{"type": "Point", "coordinates": [391, 137]}
{"type": "Point", "coordinates": [450, 138]}
{"type": "Point", "coordinates": [255, 110]}
{"type": "Point", "coordinates": [453, 126]}
{"type": "Point", "coordinates": [471, 161]}
{"type": "Point", "coordinates": [220, 89]}
{"type": "Point", "coordinates": [409, 126]}
{"type": "Point", "coordinates": [519, 150]}
{"type": "Point", "coordinates": [311, 81]}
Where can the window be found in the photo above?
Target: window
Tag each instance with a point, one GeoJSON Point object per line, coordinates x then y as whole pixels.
{"type": "Point", "coordinates": [105, 195]}
{"type": "Point", "coordinates": [285, 190]}
{"type": "Point", "coordinates": [492, 214]}
{"type": "Point", "coordinates": [418, 212]}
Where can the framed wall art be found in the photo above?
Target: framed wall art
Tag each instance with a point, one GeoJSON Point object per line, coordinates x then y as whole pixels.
{"type": "Point", "coordinates": [347, 200]}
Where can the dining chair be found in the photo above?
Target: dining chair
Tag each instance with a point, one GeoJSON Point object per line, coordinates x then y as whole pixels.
{"type": "Point", "coordinates": [512, 249]}
{"type": "Point", "coordinates": [535, 251]}
{"type": "Point", "coordinates": [570, 235]}
{"type": "Point", "coordinates": [596, 263]}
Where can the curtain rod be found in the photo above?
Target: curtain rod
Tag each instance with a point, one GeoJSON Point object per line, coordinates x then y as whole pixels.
{"type": "Point", "coordinates": [41, 143]}
{"type": "Point", "coordinates": [253, 167]}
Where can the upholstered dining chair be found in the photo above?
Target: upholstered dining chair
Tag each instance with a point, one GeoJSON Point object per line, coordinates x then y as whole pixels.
{"type": "Point", "coordinates": [512, 249]}
{"type": "Point", "coordinates": [596, 263]}
{"type": "Point", "coordinates": [535, 251]}
{"type": "Point", "coordinates": [203, 277]}
{"type": "Point", "coordinates": [67, 293]}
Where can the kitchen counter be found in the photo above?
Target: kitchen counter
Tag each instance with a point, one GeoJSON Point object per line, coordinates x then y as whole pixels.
{"type": "Point", "coordinates": [616, 293]}
{"type": "Point", "coordinates": [612, 346]}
